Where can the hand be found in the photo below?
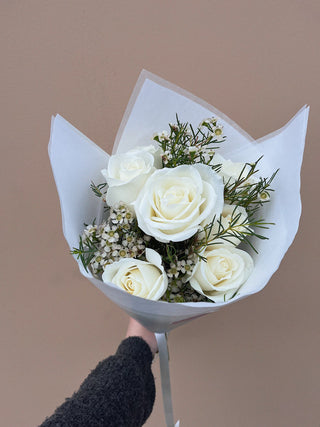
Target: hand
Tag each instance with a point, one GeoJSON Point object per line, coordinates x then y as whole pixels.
{"type": "Point", "coordinates": [135, 329]}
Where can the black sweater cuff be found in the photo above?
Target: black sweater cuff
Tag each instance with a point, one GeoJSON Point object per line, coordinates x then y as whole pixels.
{"type": "Point", "coordinates": [119, 392]}
{"type": "Point", "coordinates": [138, 349]}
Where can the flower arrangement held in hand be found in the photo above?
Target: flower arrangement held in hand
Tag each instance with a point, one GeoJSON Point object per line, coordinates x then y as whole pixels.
{"type": "Point", "coordinates": [176, 215]}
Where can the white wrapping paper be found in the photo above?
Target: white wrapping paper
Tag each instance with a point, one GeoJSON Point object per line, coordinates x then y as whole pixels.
{"type": "Point", "coordinates": [76, 161]}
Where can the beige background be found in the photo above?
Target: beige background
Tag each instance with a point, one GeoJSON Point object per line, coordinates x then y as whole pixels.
{"type": "Point", "coordinates": [255, 363]}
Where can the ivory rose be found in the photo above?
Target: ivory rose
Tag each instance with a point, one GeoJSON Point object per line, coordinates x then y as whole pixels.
{"type": "Point", "coordinates": [228, 215]}
{"type": "Point", "coordinates": [145, 279]}
{"type": "Point", "coordinates": [226, 269]}
{"type": "Point", "coordinates": [127, 173]}
{"type": "Point", "coordinates": [175, 201]}
{"type": "Point", "coordinates": [230, 171]}
{"type": "Point", "coordinates": [155, 151]}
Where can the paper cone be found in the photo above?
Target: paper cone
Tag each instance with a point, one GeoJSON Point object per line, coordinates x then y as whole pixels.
{"type": "Point", "coordinates": [76, 161]}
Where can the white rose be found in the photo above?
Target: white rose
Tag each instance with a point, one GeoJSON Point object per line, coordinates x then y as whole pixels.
{"type": "Point", "coordinates": [230, 213]}
{"type": "Point", "coordinates": [127, 173]}
{"type": "Point", "coordinates": [226, 269]}
{"type": "Point", "coordinates": [230, 171]}
{"type": "Point", "coordinates": [157, 153]}
{"type": "Point", "coordinates": [174, 202]}
{"type": "Point", "coordinates": [145, 279]}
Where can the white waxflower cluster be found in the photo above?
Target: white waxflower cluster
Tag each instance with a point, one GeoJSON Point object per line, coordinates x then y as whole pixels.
{"type": "Point", "coordinates": [197, 151]}
{"type": "Point", "coordinates": [113, 239]}
{"type": "Point", "coordinates": [89, 232]}
{"type": "Point", "coordinates": [264, 196]}
{"type": "Point", "coordinates": [180, 268]}
{"type": "Point", "coordinates": [121, 215]}
{"type": "Point", "coordinates": [216, 131]}
{"type": "Point", "coordinates": [182, 292]}
{"type": "Point", "coordinates": [166, 157]}
{"type": "Point", "coordinates": [182, 141]}
{"type": "Point", "coordinates": [178, 274]}
{"type": "Point", "coordinates": [163, 136]}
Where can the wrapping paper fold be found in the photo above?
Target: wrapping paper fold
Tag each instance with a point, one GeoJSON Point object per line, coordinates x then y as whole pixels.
{"type": "Point", "coordinates": [76, 161]}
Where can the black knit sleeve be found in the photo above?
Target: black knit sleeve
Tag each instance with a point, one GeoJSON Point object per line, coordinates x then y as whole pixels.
{"type": "Point", "coordinates": [119, 392]}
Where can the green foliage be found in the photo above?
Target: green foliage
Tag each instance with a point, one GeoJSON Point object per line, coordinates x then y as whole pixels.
{"type": "Point", "coordinates": [97, 189]}
{"type": "Point", "coordinates": [182, 145]}
{"type": "Point", "coordinates": [240, 231]}
{"type": "Point", "coordinates": [87, 250]}
{"type": "Point", "coordinates": [186, 146]}
{"type": "Point", "coordinates": [250, 195]}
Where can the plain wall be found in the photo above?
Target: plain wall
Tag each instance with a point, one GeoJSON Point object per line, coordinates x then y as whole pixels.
{"type": "Point", "coordinates": [255, 363]}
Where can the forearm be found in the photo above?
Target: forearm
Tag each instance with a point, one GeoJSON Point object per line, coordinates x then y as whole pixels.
{"type": "Point", "coordinates": [119, 392]}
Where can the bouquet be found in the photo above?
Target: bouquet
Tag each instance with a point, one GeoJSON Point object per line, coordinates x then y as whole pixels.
{"type": "Point", "coordinates": [237, 175]}
{"type": "Point", "coordinates": [181, 225]}
{"type": "Point", "coordinates": [176, 214]}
